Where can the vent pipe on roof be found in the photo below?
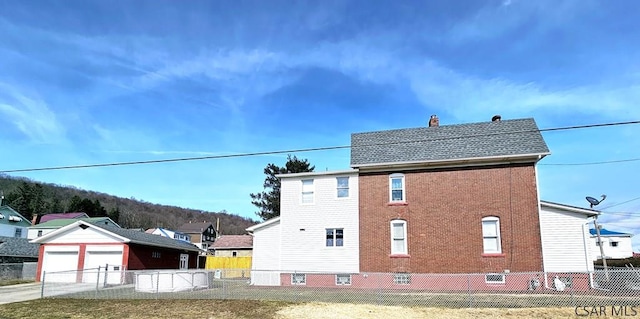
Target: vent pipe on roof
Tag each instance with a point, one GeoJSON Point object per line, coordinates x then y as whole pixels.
{"type": "Point", "coordinates": [434, 121]}
{"type": "Point", "coordinates": [496, 118]}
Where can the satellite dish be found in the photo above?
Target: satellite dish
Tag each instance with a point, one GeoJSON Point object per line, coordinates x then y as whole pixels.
{"type": "Point", "coordinates": [594, 201]}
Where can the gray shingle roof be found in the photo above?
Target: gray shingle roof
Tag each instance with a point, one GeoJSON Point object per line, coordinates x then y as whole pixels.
{"type": "Point", "coordinates": [18, 247]}
{"type": "Point", "coordinates": [450, 142]}
{"type": "Point", "coordinates": [140, 237]}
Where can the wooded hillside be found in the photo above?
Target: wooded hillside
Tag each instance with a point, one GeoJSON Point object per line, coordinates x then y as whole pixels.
{"type": "Point", "coordinates": [30, 198]}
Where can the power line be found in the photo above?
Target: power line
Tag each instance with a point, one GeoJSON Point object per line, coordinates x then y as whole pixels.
{"type": "Point", "coordinates": [618, 204]}
{"type": "Point", "coordinates": [591, 163]}
{"type": "Point", "coordinates": [309, 149]}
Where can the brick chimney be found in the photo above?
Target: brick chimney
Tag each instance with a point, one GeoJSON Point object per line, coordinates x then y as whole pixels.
{"type": "Point", "coordinates": [434, 121]}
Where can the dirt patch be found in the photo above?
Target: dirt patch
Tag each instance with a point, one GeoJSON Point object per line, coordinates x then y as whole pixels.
{"type": "Point", "coordinates": [351, 311]}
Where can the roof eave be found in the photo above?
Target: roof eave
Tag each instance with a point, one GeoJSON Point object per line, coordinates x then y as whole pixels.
{"type": "Point", "coordinates": [473, 161]}
{"type": "Point", "coordinates": [326, 173]}
{"type": "Point", "coordinates": [573, 209]}
{"type": "Point", "coordinates": [263, 224]}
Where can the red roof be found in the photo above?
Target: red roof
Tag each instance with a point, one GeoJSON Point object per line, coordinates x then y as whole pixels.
{"type": "Point", "coordinates": [233, 241]}
{"type": "Point", "coordinates": [49, 217]}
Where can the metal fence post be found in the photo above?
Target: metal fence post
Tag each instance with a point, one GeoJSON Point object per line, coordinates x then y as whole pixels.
{"type": "Point", "coordinates": [95, 295]}
{"type": "Point", "coordinates": [469, 290]}
{"type": "Point", "coordinates": [379, 286]}
{"type": "Point", "coordinates": [44, 275]}
{"type": "Point", "coordinates": [157, 284]}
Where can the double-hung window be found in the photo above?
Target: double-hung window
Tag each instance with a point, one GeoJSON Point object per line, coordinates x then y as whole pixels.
{"type": "Point", "coordinates": [307, 191]}
{"type": "Point", "coordinates": [397, 188]}
{"type": "Point", "coordinates": [335, 237]}
{"type": "Point", "coordinates": [343, 186]}
{"type": "Point", "coordinates": [491, 235]}
{"type": "Point", "coordinates": [398, 237]}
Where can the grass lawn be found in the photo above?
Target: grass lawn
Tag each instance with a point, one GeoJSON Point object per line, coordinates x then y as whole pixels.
{"type": "Point", "coordinates": [246, 309]}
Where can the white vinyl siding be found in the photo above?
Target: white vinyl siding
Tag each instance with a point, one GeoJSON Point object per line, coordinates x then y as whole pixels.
{"type": "Point", "coordinates": [265, 262]}
{"type": "Point", "coordinates": [565, 241]}
{"type": "Point", "coordinates": [304, 227]}
{"type": "Point", "coordinates": [491, 235]}
{"type": "Point", "coordinates": [398, 237]}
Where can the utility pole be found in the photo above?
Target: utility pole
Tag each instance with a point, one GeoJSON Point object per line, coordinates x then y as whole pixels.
{"type": "Point", "coordinates": [604, 260]}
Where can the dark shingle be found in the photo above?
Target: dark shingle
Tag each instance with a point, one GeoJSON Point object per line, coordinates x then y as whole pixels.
{"type": "Point", "coordinates": [450, 142]}
{"type": "Point", "coordinates": [18, 247]}
{"type": "Point", "coordinates": [140, 237]}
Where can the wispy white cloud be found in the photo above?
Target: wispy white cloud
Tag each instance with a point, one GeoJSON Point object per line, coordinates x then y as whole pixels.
{"type": "Point", "coordinates": [498, 18]}
{"type": "Point", "coordinates": [30, 115]}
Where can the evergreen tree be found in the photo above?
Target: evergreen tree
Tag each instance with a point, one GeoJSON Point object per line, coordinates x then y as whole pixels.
{"type": "Point", "coordinates": [269, 200]}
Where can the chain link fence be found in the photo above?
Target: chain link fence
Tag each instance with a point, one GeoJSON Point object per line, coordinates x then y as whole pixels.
{"type": "Point", "coordinates": [504, 290]}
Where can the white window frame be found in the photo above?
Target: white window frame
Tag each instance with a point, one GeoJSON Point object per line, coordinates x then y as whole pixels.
{"type": "Point", "coordinates": [403, 188]}
{"type": "Point", "coordinates": [343, 279]}
{"type": "Point", "coordinates": [495, 275]}
{"type": "Point", "coordinates": [298, 279]}
{"type": "Point", "coordinates": [395, 239]}
{"type": "Point", "coordinates": [402, 279]}
{"type": "Point", "coordinates": [485, 236]}
{"type": "Point", "coordinates": [342, 188]}
{"type": "Point", "coordinates": [307, 196]}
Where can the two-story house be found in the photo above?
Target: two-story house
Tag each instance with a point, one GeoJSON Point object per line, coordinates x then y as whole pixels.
{"type": "Point", "coordinates": [202, 234]}
{"type": "Point", "coordinates": [432, 200]}
{"type": "Point", "coordinates": [12, 224]}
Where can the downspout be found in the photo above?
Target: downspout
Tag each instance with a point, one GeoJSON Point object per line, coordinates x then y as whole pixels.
{"type": "Point", "coordinates": [546, 279]}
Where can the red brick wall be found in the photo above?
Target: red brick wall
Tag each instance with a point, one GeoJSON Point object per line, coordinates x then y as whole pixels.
{"type": "Point", "coordinates": [141, 257]}
{"type": "Point", "coordinates": [443, 210]}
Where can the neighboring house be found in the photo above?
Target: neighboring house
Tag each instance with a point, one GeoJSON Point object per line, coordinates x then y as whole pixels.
{"type": "Point", "coordinates": [12, 224]}
{"type": "Point", "coordinates": [202, 234]}
{"type": "Point", "coordinates": [17, 250]}
{"type": "Point", "coordinates": [39, 219]}
{"type": "Point", "coordinates": [615, 245]}
{"type": "Point", "coordinates": [233, 246]}
{"type": "Point", "coordinates": [85, 246]}
{"type": "Point", "coordinates": [169, 233]}
{"type": "Point", "coordinates": [317, 229]}
{"type": "Point", "coordinates": [564, 231]}
{"type": "Point", "coordinates": [439, 199]}
{"type": "Point", "coordinates": [42, 229]}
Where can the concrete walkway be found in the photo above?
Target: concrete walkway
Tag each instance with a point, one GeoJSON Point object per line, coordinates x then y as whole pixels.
{"type": "Point", "coordinates": [21, 292]}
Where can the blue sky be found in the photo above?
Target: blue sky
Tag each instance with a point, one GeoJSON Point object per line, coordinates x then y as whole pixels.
{"type": "Point", "coordinates": [88, 82]}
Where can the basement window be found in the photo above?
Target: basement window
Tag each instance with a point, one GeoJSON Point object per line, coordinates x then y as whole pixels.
{"type": "Point", "coordinates": [343, 279]}
{"type": "Point", "coordinates": [402, 279]}
{"type": "Point", "coordinates": [298, 279]}
{"type": "Point", "coordinates": [494, 278]}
